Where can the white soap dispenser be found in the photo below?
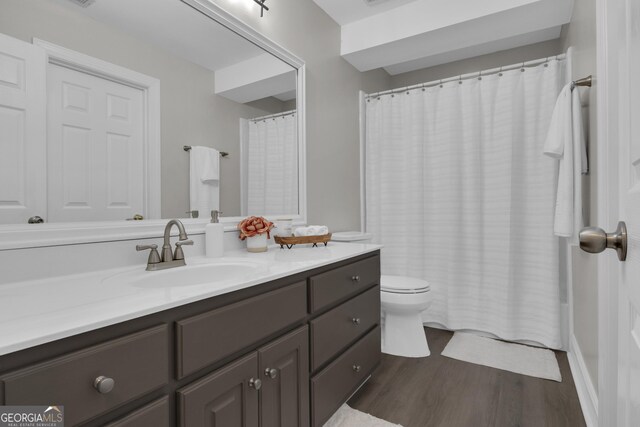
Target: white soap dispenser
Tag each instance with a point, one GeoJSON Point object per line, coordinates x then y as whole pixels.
{"type": "Point", "coordinates": [214, 237]}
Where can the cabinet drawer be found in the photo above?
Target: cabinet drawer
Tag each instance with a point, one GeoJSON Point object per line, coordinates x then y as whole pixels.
{"type": "Point", "coordinates": [336, 329]}
{"type": "Point", "coordinates": [209, 337]}
{"type": "Point", "coordinates": [334, 384]}
{"type": "Point", "coordinates": [334, 285]}
{"type": "Point", "coordinates": [155, 414]}
{"type": "Point", "coordinates": [138, 363]}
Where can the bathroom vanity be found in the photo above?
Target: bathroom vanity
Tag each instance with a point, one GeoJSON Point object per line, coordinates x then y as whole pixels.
{"type": "Point", "coordinates": [282, 340]}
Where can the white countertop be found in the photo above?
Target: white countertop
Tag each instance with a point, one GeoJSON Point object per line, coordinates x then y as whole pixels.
{"type": "Point", "coordinates": [40, 311]}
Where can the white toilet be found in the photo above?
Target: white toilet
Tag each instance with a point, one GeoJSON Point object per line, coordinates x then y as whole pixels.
{"type": "Point", "coordinates": [403, 299]}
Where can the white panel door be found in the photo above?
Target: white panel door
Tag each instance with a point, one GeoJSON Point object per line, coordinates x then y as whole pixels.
{"type": "Point", "coordinates": [96, 153]}
{"type": "Point", "coordinates": [22, 131]}
{"type": "Point", "coordinates": [619, 56]}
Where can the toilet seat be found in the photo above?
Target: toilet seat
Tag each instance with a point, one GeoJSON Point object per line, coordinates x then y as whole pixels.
{"type": "Point", "coordinates": [403, 285]}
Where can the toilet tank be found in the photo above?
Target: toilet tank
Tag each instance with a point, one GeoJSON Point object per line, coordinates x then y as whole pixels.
{"type": "Point", "coordinates": [352, 236]}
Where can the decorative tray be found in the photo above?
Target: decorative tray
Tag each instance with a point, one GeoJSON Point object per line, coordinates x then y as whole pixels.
{"type": "Point", "coordinates": [289, 242]}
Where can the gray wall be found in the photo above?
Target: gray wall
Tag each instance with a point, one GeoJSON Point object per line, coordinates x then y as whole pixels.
{"type": "Point", "coordinates": [479, 63]}
{"type": "Point", "coordinates": [581, 34]}
{"type": "Point", "coordinates": [333, 175]}
{"type": "Point", "coordinates": [191, 113]}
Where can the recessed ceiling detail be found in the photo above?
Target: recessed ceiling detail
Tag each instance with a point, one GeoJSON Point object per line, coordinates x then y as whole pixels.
{"type": "Point", "coordinates": [402, 36]}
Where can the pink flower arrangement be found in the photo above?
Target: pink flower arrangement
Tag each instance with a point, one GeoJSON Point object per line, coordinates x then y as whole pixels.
{"type": "Point", "coordinates": [253, 226]}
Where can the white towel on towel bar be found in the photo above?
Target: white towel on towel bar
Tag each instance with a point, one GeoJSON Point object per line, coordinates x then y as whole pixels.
{"type": "Point", "coordinates": [565, 142]}
{"type": "Point", "coordinates": [204, 179]}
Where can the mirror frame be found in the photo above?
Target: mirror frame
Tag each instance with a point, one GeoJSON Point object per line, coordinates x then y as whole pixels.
{"type": "Point", "coordinates": [18, 236]}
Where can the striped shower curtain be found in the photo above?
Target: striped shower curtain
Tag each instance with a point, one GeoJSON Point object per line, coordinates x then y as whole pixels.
{"type": "Point", "coordinates": [460, 194]}
{"type": "Point", "coordinates": [270, 159]}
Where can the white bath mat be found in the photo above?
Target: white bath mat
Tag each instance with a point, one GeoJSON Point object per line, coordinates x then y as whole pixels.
{"type": "Point", "coordinates": [349, 417]}
{"type": "Point", "coordinates": [521, 359]}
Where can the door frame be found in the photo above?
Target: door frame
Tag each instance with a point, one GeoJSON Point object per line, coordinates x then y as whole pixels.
{"type": "Point", "coordinates": [608, 215]}
{"type": "Point", "coordinates": [150, 88]}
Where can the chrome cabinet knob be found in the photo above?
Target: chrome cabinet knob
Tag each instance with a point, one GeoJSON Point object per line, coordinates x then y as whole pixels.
{"type": "Point", "coordinates": [255, 383]}
{"type": "Point", "coordinates": [271, 373]}
{"type": "Point", "coordinates": [356, 321]}
{"type": "Point", "coordinates": [355, 278]}
{"type": "Point", "coordinates": [595, 240]}
{"type": "Point", "coordinates": [104, 384]}
{"type": "Point", "coordinates": [356, 368]}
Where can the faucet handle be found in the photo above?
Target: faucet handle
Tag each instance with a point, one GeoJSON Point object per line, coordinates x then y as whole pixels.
{"type": "Point", "coordinates": [154, 256]}
{"type": "Point", "coordinates": [179, 253]}
{"type": "Point", "coordinates": [145, 247]}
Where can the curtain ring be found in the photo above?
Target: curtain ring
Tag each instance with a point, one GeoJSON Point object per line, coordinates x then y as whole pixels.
{"type": "Point", "coordinates": [479, 75]}
{"type": "Point", "coordinates": [441, 85]}
{"type": "Point", "coordinates": [522, 69]}
{"type": "Point", "coordinates": [500, 72]}
{"type": "Point", "coordinates": [460, 79]}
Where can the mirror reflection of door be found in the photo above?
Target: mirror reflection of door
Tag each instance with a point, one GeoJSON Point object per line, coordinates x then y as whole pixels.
{"type": "Point", "coordinates": [22, 131]}
{"type": "Point", "coordinates": [94, 147]}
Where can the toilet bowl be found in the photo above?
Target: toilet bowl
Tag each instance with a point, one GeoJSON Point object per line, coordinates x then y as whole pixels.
{"type": "Point", "coordinates": [403, 299]}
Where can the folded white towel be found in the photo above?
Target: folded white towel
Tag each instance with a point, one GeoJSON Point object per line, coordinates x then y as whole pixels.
{"type": "Point", "coordinates": [565, 142]}
{"type": "Point", "coordinates": [204, 179]}
{"type": "Point", "coordinates": [312, 230]}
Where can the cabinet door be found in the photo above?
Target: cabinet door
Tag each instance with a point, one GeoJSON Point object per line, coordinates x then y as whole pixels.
{"type": "Point", "coordinates": [284, 366]}
{"type": "Point", "coordinates": [226, 398]}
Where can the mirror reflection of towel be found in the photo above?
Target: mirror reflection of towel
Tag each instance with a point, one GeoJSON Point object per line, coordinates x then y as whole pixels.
{"type": "Point", "coordinates": [204, 179]}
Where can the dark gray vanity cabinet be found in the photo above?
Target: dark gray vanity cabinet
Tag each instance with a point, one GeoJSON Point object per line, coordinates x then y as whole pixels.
{"type": "Point", "coordinates": [267, 388]}
{"type": "Point", "coordinates": [226, 398]}
{"type": "Point", "coordinates": [286, 353]}
{"type": "Point", "coordinates": [284, 365]}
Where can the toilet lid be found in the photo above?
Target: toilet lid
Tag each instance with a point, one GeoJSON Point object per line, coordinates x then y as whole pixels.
{"type": "Point", "coordinates": [403, 285]}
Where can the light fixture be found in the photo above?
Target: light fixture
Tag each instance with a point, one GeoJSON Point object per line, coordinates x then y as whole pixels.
{"type": "Point", "coordinates": [263, 7]}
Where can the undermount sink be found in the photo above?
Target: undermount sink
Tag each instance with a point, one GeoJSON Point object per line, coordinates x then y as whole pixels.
{"type": "Point", "coordinates": [200, 273]}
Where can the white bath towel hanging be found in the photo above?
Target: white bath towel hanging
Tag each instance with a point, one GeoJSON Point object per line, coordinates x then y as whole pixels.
{"type": "Point", "coordinates": [565, 142]}
{"type": "Point", "coordinates": [204, 179]}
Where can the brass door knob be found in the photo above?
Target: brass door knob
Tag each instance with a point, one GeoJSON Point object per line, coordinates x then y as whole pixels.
{"type": "Point", "coordinates": [595, 240]}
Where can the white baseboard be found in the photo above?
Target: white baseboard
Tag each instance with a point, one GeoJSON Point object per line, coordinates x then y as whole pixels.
{"type": "Point", "coordinates": [586, 391]}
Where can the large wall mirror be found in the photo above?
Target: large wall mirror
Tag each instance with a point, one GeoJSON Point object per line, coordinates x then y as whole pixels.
{"type": "Point", "coordinates": [111, 110]}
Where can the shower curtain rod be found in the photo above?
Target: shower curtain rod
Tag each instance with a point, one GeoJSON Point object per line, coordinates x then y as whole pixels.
{"type": "Point", "coordinates": [477, 74]}
{"type": "Point", "coordinates": [273, 116]}
{"type": "Point", "coordinates": [188, 148]}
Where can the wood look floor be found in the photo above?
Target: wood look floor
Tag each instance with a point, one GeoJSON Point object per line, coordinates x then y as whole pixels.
{"type": "Point", "coordinates": [442, 392]}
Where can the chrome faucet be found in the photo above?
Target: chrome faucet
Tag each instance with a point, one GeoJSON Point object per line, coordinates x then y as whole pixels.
{"type": "Point", "coordinates": [169, 258]}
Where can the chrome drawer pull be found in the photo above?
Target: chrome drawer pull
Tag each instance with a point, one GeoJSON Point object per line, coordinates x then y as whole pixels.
{"type": "Point", "coordinates": [355, 278]}
{"type": "Point", "coordinates": [356, 321]}
{"type": "Point", "coordinates": [271, 373]}
{"type": "Point", "coordinates": [256, 384]}
{"type": "Point", "coordinates": [104, 384]}
{"type": "Point", "coordinates": [356, 368]}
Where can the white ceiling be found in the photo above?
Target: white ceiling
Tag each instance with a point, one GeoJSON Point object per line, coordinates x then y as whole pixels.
{"type": "Point", "coordinates": [402, 36]}
{"type": "Point", "coordinates": [346, 11]}
{"type": "Point", "coordinates": [180, 30]}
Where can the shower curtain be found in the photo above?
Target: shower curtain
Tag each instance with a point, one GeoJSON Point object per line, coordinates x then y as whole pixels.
{"type": "Point", "coordinates": [271, 149]}
{"type": "Point", "coordinates": [460, 194]}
